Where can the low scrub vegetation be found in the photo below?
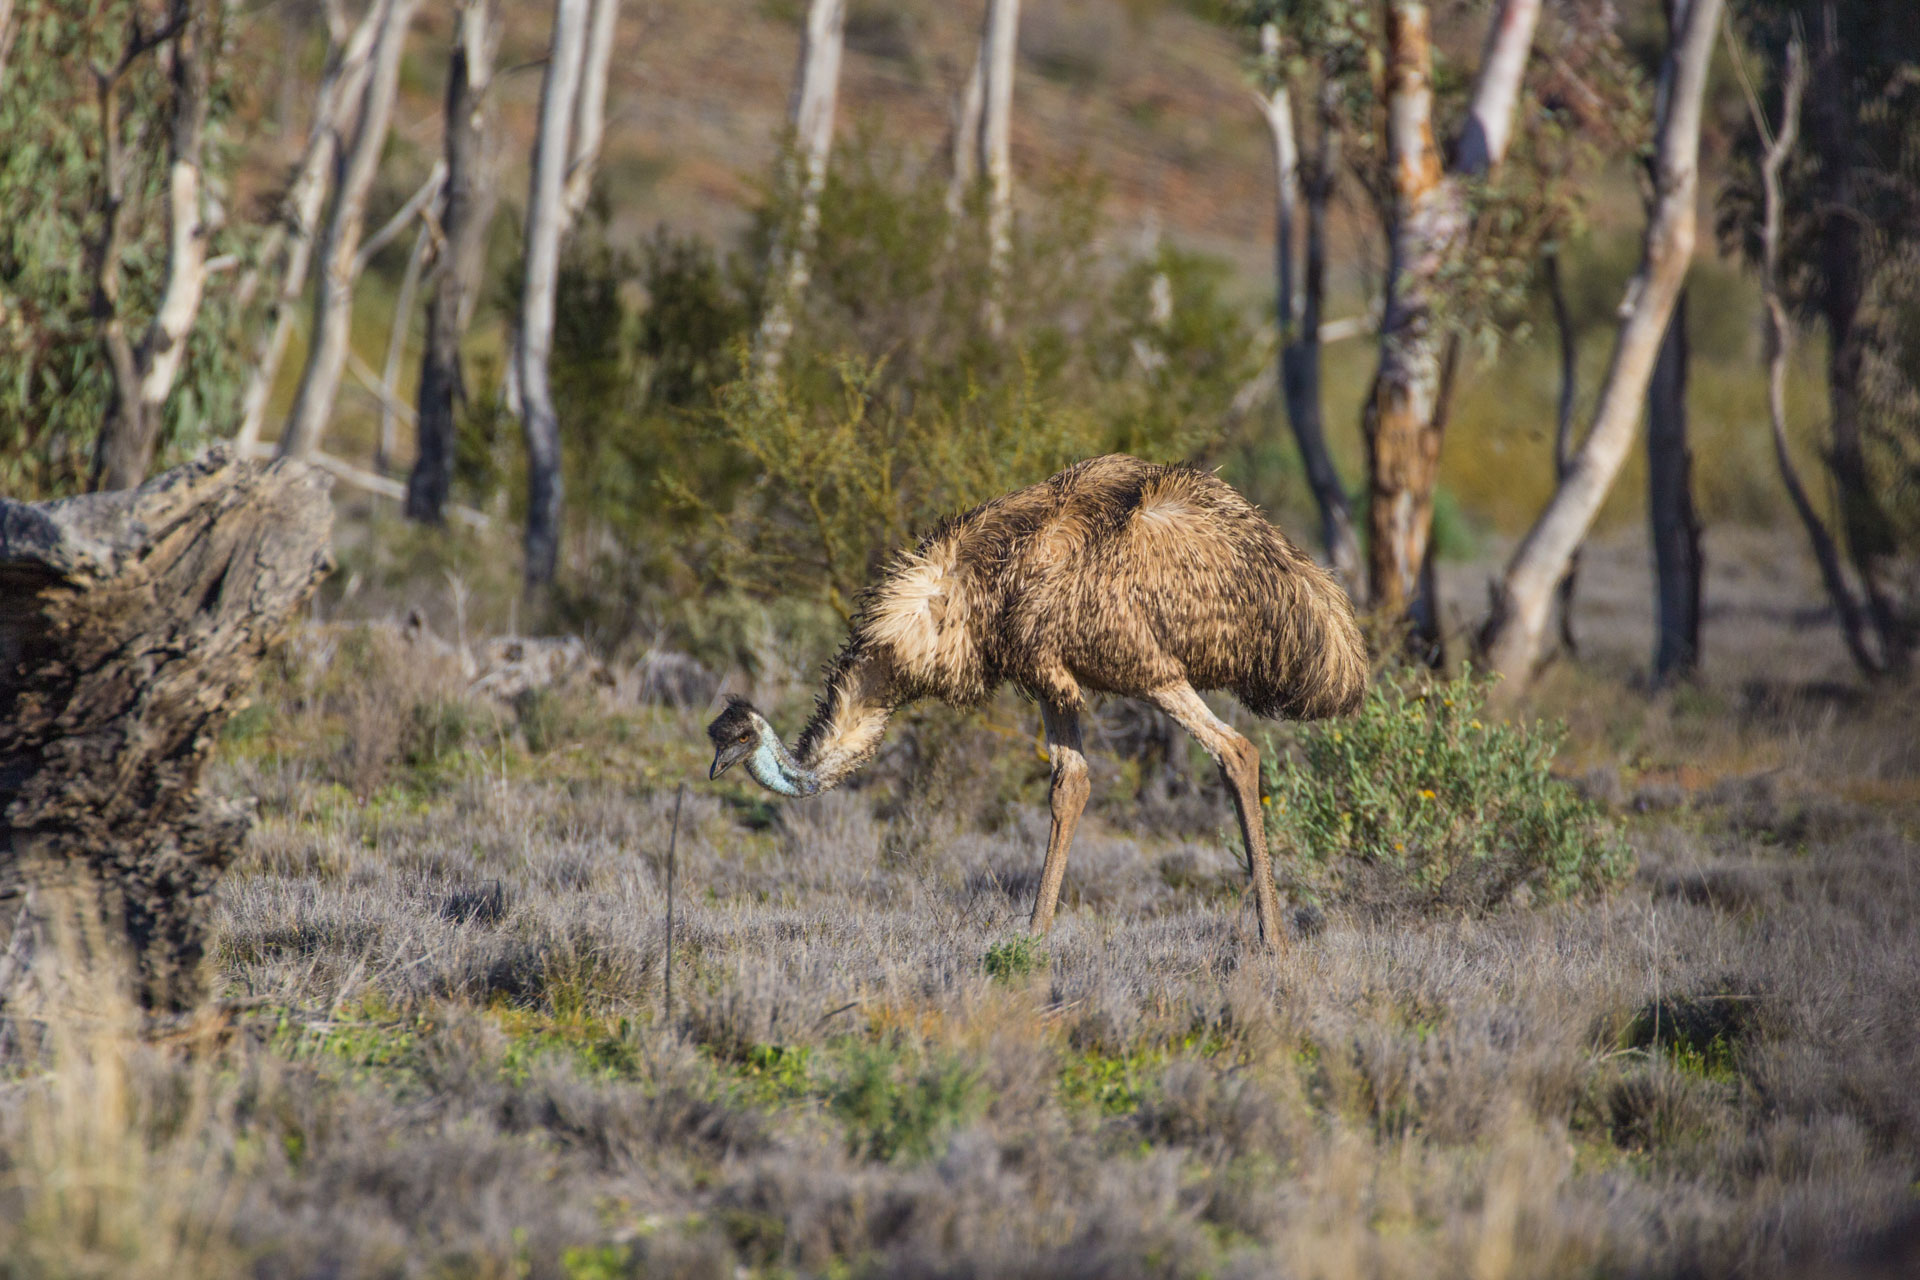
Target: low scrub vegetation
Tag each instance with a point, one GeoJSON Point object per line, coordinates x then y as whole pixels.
{"type": "Point", "coordinates": [1424, 801]}
{"type": "Point", "coordinates": [443, 1046]}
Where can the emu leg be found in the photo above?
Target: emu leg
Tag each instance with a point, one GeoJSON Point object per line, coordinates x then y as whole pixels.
{"type": "Point", "coordinates": [1239, 762]}
{"type": "Point", "coordinates": [1069, 799]}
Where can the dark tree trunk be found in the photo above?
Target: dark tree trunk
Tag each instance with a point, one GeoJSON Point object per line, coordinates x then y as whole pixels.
{"type": "Point", "coordinates": [1563, 429]}
{"type": "Point", "coordinates": [1677, 561]}
{"type": "Point", "coordinates": [124, 449]}
{"type": "Point", "coordinates": [1300, 368]}
{"type": "Point", "coordinates": [130, 625]}
{"type": "Point", "coordinates": [1863, 520]}
{"type": "Point", "coordinates": [467, 214]}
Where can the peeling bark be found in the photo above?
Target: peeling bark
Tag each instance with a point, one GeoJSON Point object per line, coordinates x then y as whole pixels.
{"type": "Point", "coordinates": [130, 627]}
{"type": "Point", "coordinates": [1431, 220]}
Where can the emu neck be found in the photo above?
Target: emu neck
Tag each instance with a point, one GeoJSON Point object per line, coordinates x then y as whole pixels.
{"type": "Point", "coordinates": [849, 719]}
{"type": "Point", "coordinates": [774, 768]}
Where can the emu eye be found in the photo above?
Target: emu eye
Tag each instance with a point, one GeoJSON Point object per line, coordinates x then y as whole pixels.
{"type": "Point", "coordinates": [746, 737]}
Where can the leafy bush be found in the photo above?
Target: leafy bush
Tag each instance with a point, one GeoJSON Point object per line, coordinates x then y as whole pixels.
{"type": "Point", "coordinates": [1015, 958]}
{"type": "Point", "coordinates": [1419, 803]}
{"type": "Point", "coordinates": [891, 1109]}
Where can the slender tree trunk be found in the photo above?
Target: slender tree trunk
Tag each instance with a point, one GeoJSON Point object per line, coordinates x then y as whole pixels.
{"type": "Point", "coordinates": [339, 263]}
{"type": "Point", "coordinates": [1299, 326]}
{"type": "Point", "coordinates": [546, 216]}
{"type": "Point", "coordinates": [465, 216]}
{"type": "Point", "coordinates": [7, 31]}
{"type": "Point", "coordinates": [389, 438]}
{"type": "Point", "coordinates": [1563, 428]}
{"type": "Point", "coordinates": [336, 111]}
{"type": "Point", "coordinates": [1001, 44]}
{"type": "Point", "coordinates": [144, 373]}
{"type": "Point", "coordinates": [1863, 518]}
{"type": "Point", "coordinates": [816, 87]}
{"type": "Point", "coordinates": [1431, 222]}
{"type": "Point", "coordinates": [1779, 342]}
{"type": "Point", "coordinates": [1677, 561]}
{"type": "Point", "coordinates": [1512, 639]}
{"type": "Point", "coordinates": [590, 109]}
{"type": "Point", "coordinates": [966, 133]}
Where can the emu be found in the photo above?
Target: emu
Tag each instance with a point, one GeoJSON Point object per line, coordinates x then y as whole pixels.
{"type": "Point", "coordinates": [1115, 576]}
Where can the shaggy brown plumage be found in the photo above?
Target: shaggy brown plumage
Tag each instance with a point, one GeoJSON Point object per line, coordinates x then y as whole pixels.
{"type": "Point", "coordinates": [1114, 576]}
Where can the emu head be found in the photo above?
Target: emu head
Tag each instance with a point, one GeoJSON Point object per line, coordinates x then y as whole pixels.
{"type": "Point", "coordinates": [736, 733]}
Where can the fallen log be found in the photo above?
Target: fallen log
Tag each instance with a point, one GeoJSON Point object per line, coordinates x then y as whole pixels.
{"type": "Point", "coordinates": [130, 627]}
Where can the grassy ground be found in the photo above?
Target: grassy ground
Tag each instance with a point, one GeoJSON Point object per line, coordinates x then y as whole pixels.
{"type": "Point", "coordinates": [452, 1057]}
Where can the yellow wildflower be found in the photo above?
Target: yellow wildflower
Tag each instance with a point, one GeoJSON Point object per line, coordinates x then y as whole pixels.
{"type": "Point", "coordinates": [1426, 793]}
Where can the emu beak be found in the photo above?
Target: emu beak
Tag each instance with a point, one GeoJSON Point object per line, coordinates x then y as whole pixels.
{"type": "Point", "coordinates": [723, 760]}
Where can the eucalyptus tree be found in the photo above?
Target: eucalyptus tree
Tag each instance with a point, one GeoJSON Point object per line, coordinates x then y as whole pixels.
{"type": "Point", "coordinates": [466, 213]}
{"type": "Point", "coordinates": [816, 88]}
{"type": "Point", "coordinates": [566, 148]}
{"type": "Point", "coordinates": [144, 368]}
{"type": "Point", "coordinates": [1313, 54]}
{"type": "Point", "coordinates": [340, 259]}
{"type": "Point", "coordinates": [1514, 635]}
{"type": "Point", "coordinates": [1847, 257]}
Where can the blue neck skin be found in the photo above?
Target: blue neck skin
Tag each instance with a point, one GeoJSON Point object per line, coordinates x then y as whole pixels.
{"type": "Point", "coordinates": [774, 768]}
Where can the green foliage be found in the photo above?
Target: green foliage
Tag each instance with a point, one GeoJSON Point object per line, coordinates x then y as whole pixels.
{"type": "Point", "coordinates": [895, 406]}
{"type": "Point", "coordinates": [893, 1105]}
{"type": "Point", "coordinates": [597, 1262]}
{"type": "Point", "coordinates": [55, 385]}
{"type": "Point", "coordinates": [1014, 958]}
{"type": "Point", "coordinates": [776, 1072]}
{"type": "Point", "coordinates": [1111, 1084]}
{"type": "Point", "coordinates": [1417, 803]}
{"type": "Point", "coordinates": [694, 483]}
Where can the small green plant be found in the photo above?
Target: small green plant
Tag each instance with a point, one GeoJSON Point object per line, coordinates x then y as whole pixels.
{"type": "Point", "coordinates": [1110, 1084]}
{"type": "Point", "coordinates": [1422, 801]}
{"type": "Point", "coordinates": [777, 1072]}
{"type": "Point", "coordinates": [597, 1262]}
{"type": "Point", "coordinates": [1015, 958]}
{"type": "Point", "coordinates": [891, 1107]}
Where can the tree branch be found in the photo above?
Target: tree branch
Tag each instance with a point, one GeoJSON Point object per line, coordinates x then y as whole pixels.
{"type": "Point", "coordinates": [418, 205]}
{"type": "Point", "coordinates": [1779, 341]}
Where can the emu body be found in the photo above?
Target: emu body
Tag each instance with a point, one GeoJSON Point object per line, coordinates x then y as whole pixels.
{"type": "Point", "coordinates": [1115, 576]}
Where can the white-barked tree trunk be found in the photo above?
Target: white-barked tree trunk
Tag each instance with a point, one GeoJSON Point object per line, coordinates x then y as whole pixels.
{"type": "Point", "coordinates": [810, 112]}
{"type": "Point", "coordinates": [340, 261]}
{"type": "Point", "coordinates": [1513, 638]}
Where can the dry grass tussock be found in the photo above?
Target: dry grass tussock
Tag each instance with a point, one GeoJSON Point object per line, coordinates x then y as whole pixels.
{"type": "Point", "coordinates": [444, 1052]}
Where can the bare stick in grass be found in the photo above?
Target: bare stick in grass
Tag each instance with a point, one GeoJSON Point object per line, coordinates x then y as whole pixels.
{"type": "Point", "coordinates": [666, 962]}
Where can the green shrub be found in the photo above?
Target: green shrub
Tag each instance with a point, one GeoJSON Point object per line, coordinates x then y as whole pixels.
{"type": "Point", "coordinates": [1420, 803]}
{"type": "Point", "coordinates": [892, 1108]}
{"type": "Point", "coordinates": [1015, 958]}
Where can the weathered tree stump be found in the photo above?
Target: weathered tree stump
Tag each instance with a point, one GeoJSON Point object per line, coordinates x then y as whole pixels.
{"type": "Point", "coordinates": [130, 626]}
